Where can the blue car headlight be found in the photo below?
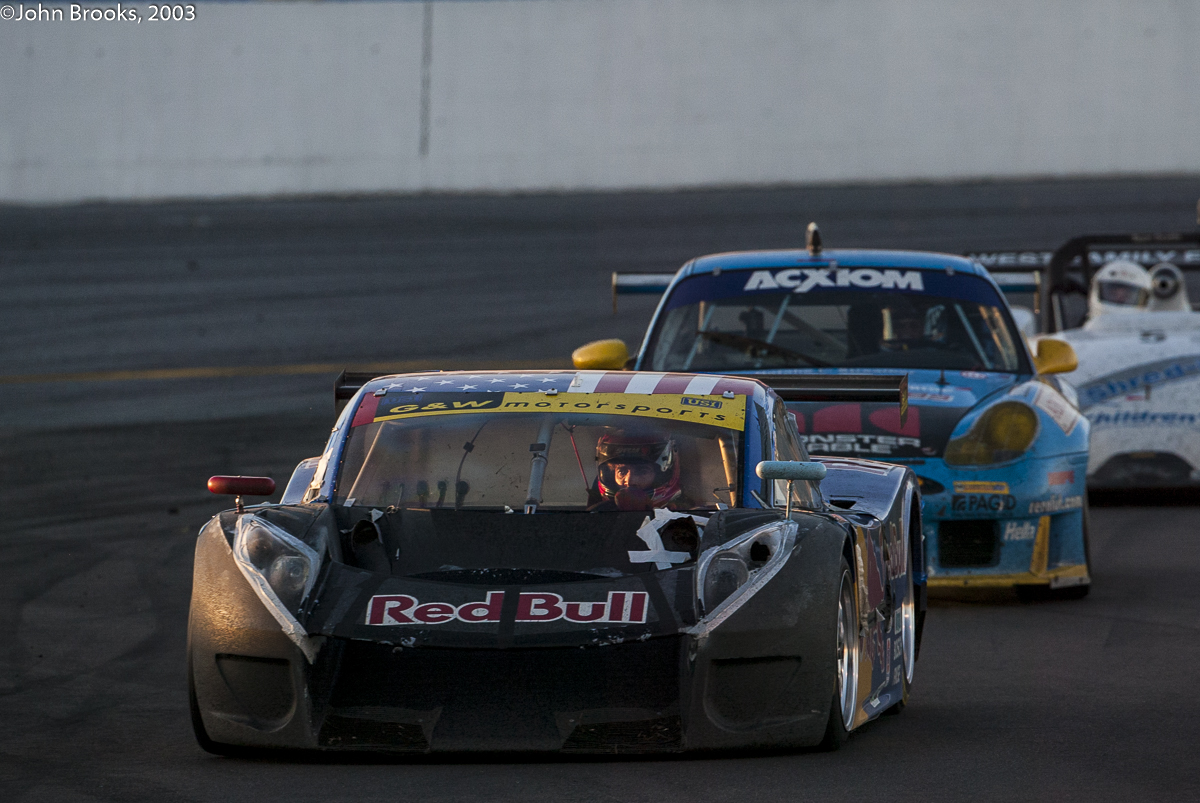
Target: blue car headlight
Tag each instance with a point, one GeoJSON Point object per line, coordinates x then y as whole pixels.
{"type": "Point", "coordinates": [728, 574]}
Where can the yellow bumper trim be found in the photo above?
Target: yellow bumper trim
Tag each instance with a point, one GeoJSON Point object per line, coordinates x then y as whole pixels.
{"type": "Point", "coordinates": [1019, 579]}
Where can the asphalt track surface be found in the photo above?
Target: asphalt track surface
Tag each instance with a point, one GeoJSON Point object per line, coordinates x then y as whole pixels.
{"type": "Point", "coordinates": [102, 484]}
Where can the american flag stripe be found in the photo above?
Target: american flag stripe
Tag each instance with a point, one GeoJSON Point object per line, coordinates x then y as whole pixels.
{"type": "Point", "coordinates": [701, 385]}
{"type": "Point", "coordinates": [613, 382]}
{"type": "Point", "coordinates": [643, 382]}
{"type": "Point", "coordinates": [673, 383]}
{"type": "Point", "coordinates": [585, 382]}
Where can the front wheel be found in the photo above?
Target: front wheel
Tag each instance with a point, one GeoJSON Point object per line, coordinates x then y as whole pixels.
{"type": "Point", "coordinates": [846, 657]}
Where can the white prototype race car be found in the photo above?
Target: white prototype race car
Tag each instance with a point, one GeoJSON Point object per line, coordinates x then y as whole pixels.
{"type": "Point", "coordinates": [1123, 303]}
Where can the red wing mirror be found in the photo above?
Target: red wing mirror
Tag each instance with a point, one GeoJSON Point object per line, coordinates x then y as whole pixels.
{"type": "Point", "coordinates": [241, 486]}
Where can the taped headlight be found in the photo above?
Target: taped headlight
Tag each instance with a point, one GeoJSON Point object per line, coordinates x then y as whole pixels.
{"type": "Point", "coordinates": [281, 569]}
{"type": "Point", "coordinates": [1004, 432]}
{"type": "Point", "coordinates": [729, 574]}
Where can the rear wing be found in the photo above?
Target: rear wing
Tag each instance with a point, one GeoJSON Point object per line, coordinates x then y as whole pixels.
{"type": "Point", "coordinates": [625, 284]}
{"type": "Point", "coordinates": [886, 388]}
{"type": "Point", "coordinates": [347, 384]}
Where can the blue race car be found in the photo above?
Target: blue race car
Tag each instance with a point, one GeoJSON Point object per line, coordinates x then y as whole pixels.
{"type": "Point", "coordinates": [997, 442]}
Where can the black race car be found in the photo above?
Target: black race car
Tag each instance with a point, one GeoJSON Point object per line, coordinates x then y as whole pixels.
{"type": "Point", "coordinates": [576, 561]}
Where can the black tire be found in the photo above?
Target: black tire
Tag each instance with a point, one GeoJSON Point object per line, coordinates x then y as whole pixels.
{"type": "Point", "coordinates": [846, 663]}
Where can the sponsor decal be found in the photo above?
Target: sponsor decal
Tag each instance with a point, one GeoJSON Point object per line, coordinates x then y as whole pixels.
{"type": "Point", "coordinates": [1012, 259]}
{"type": "Point", "coordinates": [930, 397]}
{"type": "Point", "coordinates": [874, 429]}
{"type": "Point", "coordinates": [1059, 409]}
{"type": "Point", "coordinates": [857, 444]}
{"type": "Point", "coordinates": [621, 607]}
{"type": "Point", "coordinates": [1038, 259]}
{"type": "Point", "coordinates": [982, 503]}
{"type": "Point", "coordinates": [802, 280]}
{"type": "Point", "coordinates": [700, 401]}
{"type": "Point", "coordinates": [1130, 419]}
{"type": "Point", "coordinates": [1020, 530]}
{"type": "Point", "coordinates": [1056, 504]}
{"type": "Point", "coordinates": [1136, 380]}
{"type": "Point", "coordinates": [974, 375]}
{"type": "Point", "coordinates": [980, 487]}
{"type": "Point", "coordinates": [1060, 478]}
{"type": "Point", "coordinates": [1147, 256]}
{"type": "Point", "coordinates": [714, 411]}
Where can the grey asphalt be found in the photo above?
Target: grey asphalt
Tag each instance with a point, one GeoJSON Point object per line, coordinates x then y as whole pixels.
{"type": "Point", "coordinates": [102, 485]}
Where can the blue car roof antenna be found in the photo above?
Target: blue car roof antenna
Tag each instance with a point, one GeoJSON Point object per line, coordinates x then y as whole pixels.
{"type": "Point", "coordinates": [812, 239]}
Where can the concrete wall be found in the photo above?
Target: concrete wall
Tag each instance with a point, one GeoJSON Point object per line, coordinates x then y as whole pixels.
{"type": "Point", "coordinates": [263, 99]}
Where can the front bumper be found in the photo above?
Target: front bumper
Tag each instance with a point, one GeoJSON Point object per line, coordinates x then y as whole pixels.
{"type": "Point", "coordinates": [1021, 524]}
{"type": "Point", "coordinates": [763, 677]}
{"type": "Point", "coordinates": [610, 699]}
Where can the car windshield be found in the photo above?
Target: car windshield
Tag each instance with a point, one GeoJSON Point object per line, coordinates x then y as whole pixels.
{"type": "Point", "coordinates": [510, 459]}
{"type": "Point", "coordinates": [832, 327]}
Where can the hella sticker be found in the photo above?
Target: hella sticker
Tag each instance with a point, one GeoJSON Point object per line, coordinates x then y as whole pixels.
{"type": "Point", "coordinates": [802, 280]}
{"type": "Point", "coordinates": [1020, 531]}
{"type": "Point", "coordinates": [621, 607]}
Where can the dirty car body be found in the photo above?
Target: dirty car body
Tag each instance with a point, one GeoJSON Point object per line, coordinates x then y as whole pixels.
{"type": "Point", "coordinates": [999, 510]}
{"type": "Point", "coordinates": [442, 578]}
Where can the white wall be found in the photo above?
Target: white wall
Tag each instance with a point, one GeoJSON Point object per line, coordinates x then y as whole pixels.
{"type": "Point", "coordinates": [264, 99]}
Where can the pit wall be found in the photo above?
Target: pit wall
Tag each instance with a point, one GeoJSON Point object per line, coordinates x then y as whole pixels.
{"type": "Point", "coordinates": [513, 95]}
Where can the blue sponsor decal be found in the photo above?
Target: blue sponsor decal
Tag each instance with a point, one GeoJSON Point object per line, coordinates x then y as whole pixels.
{"type": "Point", "coordinates": [693, 401]}
{"type": "Point", "coordinates": [1156, 419]}
{"type": "Point", "coordinates": [1137, 379]}
{"type": "Point", "coordinates": [816, 278]}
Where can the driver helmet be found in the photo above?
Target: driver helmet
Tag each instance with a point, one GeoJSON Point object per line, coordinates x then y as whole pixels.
{"type": "Point", "coordinates": [1119, 286]}
{"type": "Point", "coordinates": [903, 325]}
{"type": "Point", "coordinates": [656, 461]}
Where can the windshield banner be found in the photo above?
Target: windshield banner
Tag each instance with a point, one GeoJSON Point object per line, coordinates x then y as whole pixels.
{"type": "Point", "coordinates": [828, 279]}
{"type": "Point", "coordinates": [716, 411]}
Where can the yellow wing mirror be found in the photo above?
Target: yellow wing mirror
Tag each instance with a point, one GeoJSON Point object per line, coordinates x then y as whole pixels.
{"type": "Point", "coordinates": [1055, 357]}
{"type": "Point", "coordinates": [601, 355]}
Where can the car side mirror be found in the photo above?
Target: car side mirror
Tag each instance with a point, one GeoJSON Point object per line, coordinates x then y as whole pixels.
{"type": "Point", "coordinates": [241, 486]}
{"type": "Point", "coordinates": [1054, 357]}
{"type": "Point", "coordinates": [790, 470]}
{"type": "Point", "coordinates": [603, 355]}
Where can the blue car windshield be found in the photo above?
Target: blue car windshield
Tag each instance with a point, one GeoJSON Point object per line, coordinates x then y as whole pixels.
{"type": "Point", "coordinates": [864, 318]}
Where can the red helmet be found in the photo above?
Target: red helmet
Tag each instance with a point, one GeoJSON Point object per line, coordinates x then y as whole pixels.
{"type": "Point", "coordinates": [652, 449]}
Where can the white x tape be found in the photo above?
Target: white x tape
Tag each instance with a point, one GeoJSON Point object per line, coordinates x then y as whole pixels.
{"type": "Point", "coordinates": [650, 534]}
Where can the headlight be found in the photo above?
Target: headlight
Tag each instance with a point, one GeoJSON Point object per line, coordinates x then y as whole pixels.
{"type": "Point", "coordinates": [1002, 433]}
{"type": "Point", "coordinates": [281, 569]}
{"type": "Point", "coordinates": [737, 569]}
